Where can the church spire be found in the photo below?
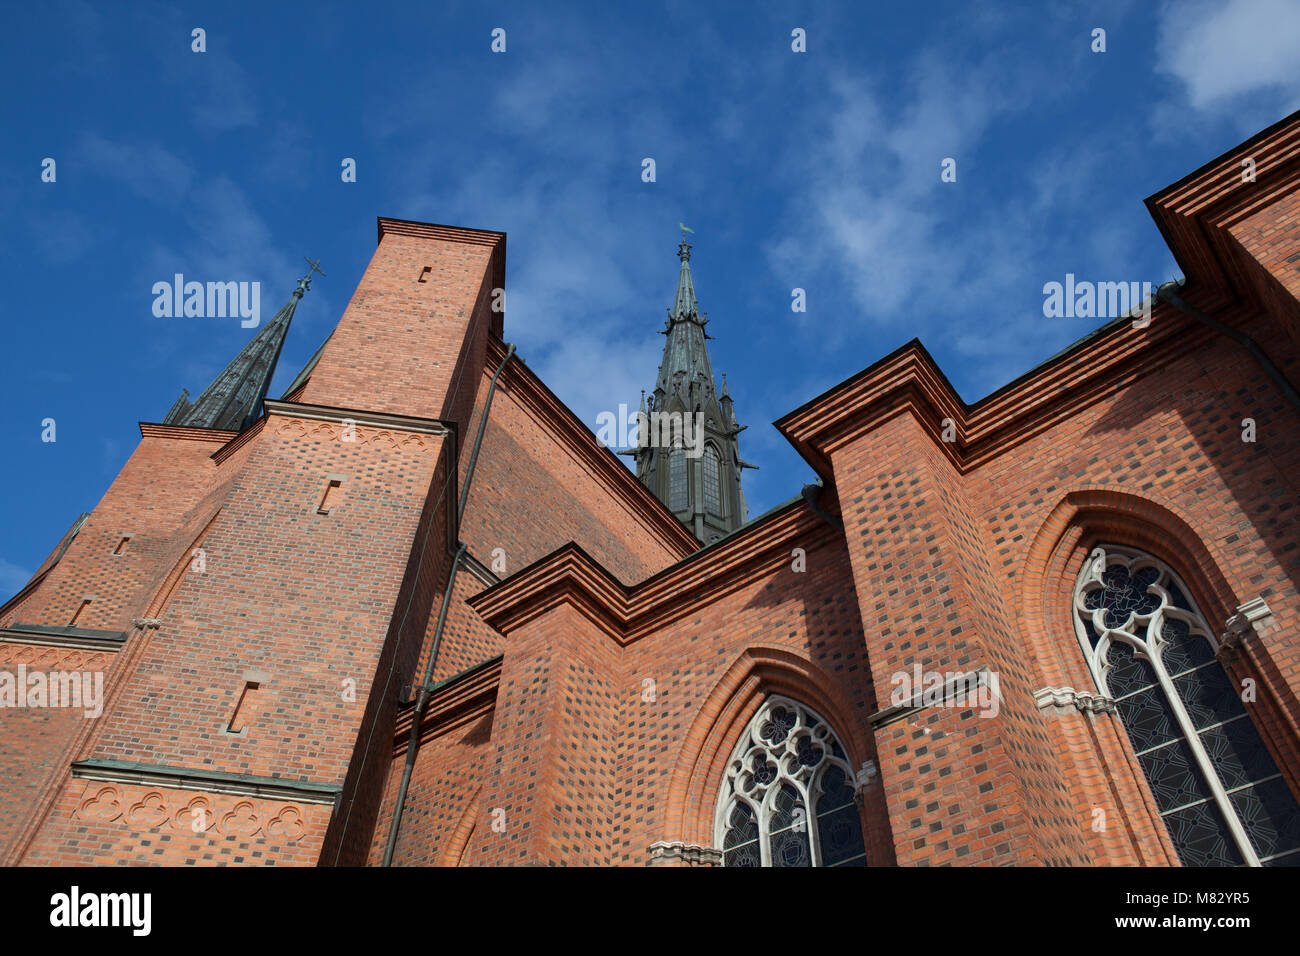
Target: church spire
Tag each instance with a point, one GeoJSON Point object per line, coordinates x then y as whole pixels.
{"type": "Point", "coordinates": [684, 304]}
{"type": "Point", "coordinates": [699, 481]}
{"type": "Point", "coordinates": [234, 399]}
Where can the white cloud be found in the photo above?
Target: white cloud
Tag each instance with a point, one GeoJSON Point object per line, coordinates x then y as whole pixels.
{"type": "Point", "coordinates": [959, 265]}
{"type": "Point", "coordinates": [232, 238]}
{"type": "Point", "coordinates": [870, 207]}
{"type": "Point", "coordinates": [1222, 51]}
{"type": "Point", "coordinates": [540, 98]}
{"type": "Point", "coordinates": [227, 240]}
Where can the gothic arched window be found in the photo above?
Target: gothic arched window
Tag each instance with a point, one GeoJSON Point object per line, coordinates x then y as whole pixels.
{"type": "Point", "coordinates": [677, 498]}
{"type": "Point", "coordinates": [788, 796]}
{"type": "Point", "coordinates": [1150, 650]}
{"type": "Point", "coordinates": [712, 482]}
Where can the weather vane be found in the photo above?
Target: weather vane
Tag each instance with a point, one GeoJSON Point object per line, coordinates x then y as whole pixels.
{"type": "Point", "coordinates": [684, 250]}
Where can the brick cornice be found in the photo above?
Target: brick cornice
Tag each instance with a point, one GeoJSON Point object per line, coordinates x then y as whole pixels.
{"type": "Point", "coordinates": [206, 780]}
{"type": "Point", "coordinates": [567, 575]}
{"type": "Point", "coordinates": [78, 637]}
{"type": "Point", "coordinates": [324, 413]}
{"type": "Point", "coordinates": [570, 576]}
{"type": "Point", "coordinates": [433, 230]}
{"type": "Point", "coordinates": [222, 454]}
{"type": "Point", "coordinates": [1195, 213]}
{"type": "Point", "coordinates": [360, 417]}
{"type": "Point", "coordinates": [909, 380]}
{"type": "Point", "coordinates": [523, 384]}
{"type": "Point", "coordinates": [185, 433]}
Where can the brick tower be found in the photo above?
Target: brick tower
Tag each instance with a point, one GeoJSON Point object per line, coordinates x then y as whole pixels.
{"type": "Point", "coordinates": [255, 586]}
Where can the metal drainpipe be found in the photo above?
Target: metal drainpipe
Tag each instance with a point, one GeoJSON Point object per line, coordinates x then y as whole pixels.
{"type": "Point", "coordinates": [422, 701]}
{"type": "Point", "coordinates": [1168, 293]}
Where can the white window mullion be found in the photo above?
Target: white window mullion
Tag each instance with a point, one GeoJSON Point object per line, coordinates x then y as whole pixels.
{"type": "Point", "coordinates": [1144, 631]}
{"type": "Point", "coordinates": [810, 813]}
{"type": "Point", "coordinates": [1208, 773]}
{"type": "Point", "coordinates": [764, 850]}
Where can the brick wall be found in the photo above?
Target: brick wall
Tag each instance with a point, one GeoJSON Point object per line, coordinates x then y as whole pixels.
{"type": "Point", "coordinates": [600, 748]}
{"type": "Point", "coordinates": [1269, 241]}
{"type": "Point", "coordinates": [630, 663]}
{"type": "Point", "coordinates": [324, 612]}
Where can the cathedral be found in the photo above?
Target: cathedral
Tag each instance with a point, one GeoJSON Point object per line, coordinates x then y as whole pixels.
{"type": "Point", "coordinates": [412, 612]}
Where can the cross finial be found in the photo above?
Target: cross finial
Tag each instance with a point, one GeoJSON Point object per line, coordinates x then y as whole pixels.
{"type": "Point", "coordinates": [304, 284]}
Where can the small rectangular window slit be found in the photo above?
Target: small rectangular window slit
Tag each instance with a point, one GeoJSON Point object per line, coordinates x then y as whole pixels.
{"type": "Point", "coordinates": [85, 603]}
{"type": "Point", "coordinates": [424, 274]}
{"type": "Point", "coordinates": [123, 544]}
{"type": "Point", "coordinates": [329, 500]}
{"type": "Point", "coordinates": [238, 718]}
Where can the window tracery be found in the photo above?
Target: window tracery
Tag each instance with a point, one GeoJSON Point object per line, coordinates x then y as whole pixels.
{"type": "Point", "coordinates": [1149, 648]}
{"type": "Point", "coordinates": [788, 795]}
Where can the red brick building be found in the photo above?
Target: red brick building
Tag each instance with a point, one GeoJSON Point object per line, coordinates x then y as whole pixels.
{"type": "Point", "coordinates": [414, 612]}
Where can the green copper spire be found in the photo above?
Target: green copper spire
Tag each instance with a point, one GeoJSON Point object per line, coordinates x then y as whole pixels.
{"type": "Point", "coordinates": [234, 399]}
{"type": "Point", "coordinates": [699, 484]}
{"type": "Point", "coordinates": [684, 304]}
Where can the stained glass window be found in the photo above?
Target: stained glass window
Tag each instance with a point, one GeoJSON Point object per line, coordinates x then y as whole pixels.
{"type": "Point", "coordinates": [1216, 787]}
{"type": "Point", "coordinates": [788, 796]}
{"type": "Point", "coordinates": [677, 499]}
{"type": "Point", "coordinates": [712, 487]}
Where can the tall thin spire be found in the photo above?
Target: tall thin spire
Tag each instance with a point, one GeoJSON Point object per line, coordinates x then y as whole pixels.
{"type": "Point", "coordinates": [701, 485]}
{"type": "Point", "coordinates": [684, 304]}
{"type": "Point", "coordinates": [234, 399]}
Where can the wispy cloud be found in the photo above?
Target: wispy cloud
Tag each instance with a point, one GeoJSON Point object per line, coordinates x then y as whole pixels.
{"type": "Point", "coordinates": [590, 268]}
{"type": "Point", "coordinates": [62, 236]}
{"type": "Point", "coordinates": [576, 305]}
{"type": "Point", "coordinates": [868, 208]}
{"type": "Point", "coordinates": [873, 218]}
{"type": "Point", "coordinates": [1238, 59]}
{"type": "Point", "coordinates": [288, 156]}
{"type": "Point", "coordinates": [83, 28]}
{"type": "Point", "coordinates": [225, 237]}
{"type": "Point", "coordinates": [229, 240]}
{"type": "Point", "coordinates": [147, 169]}
{"type": "Point", "coordinates": [223, 94]}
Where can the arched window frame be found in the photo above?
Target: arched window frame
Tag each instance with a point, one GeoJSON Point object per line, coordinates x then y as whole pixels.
{"type": "Point", "coordinates": [1144, 632]}
{"type": "Point", "coordinates": [1090, 578]}
{"type": "Point", "coordinates": [808, 781]}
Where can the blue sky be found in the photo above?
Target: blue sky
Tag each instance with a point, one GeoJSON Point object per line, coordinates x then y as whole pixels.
{"type": "Point", "coordinates": [818, 170]}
